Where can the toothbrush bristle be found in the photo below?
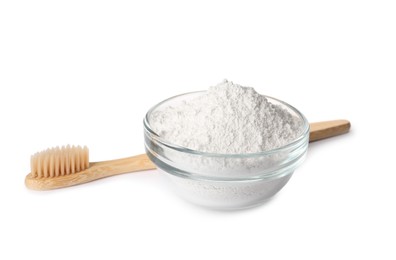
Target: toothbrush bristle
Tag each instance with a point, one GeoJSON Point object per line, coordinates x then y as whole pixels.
{"type": "Point", "coordinates": [57, 161]}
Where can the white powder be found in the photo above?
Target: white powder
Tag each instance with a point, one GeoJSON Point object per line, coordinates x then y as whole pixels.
{"type": "Point", "coordinates": [227, 119]}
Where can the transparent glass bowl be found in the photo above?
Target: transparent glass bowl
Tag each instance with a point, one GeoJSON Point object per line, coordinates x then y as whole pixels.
{"type": "Point", "coordinates": [225, 181]}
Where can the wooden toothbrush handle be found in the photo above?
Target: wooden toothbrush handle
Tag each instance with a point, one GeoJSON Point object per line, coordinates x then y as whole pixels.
{"type": "Point", "coordinates": [326, 129]}
{"type": "Point", "coordinates": [95, 171]}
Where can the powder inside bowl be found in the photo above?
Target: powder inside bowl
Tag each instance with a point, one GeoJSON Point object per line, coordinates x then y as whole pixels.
{"type": "Point", "coordinates": [228, 119]}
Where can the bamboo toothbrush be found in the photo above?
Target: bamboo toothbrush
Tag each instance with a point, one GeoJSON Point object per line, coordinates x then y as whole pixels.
{"type": "Point", "coordinates": [67, 166]}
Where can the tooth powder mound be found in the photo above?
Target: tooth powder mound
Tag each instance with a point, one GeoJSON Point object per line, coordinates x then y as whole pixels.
{"type": "Point", "coordinates": [227, 119]}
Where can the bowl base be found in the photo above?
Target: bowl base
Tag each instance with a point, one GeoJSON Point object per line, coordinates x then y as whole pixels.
{"type": "Point", "coordinates": [227, 195]}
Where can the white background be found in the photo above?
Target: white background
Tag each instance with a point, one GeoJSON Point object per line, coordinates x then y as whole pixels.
{"type": "Point", "coordinates": [85, 72]}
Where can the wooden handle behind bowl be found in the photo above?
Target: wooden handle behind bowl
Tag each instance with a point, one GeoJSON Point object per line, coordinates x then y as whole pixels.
{"type": "Point", "coordinates": [326, 129]}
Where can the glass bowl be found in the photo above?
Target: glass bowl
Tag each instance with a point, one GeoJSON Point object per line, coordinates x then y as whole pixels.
{"type": "Point", "coordinates": [225, 181]}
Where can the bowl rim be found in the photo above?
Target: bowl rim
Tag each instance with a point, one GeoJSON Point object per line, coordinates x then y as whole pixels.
{"type": "Point", "coordinates": [158, 138]}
